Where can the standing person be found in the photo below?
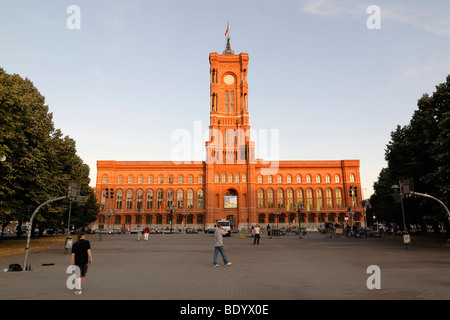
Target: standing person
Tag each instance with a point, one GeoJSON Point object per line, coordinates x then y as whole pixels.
{"type": "Point", "coordinates": [268, 230]}
{"type": "Point", "coordinates": [257, 234]}
{"type": "Point", "coordinates": [218, 246]}
{"type": "Point", "coordinates": [139, 230]}
{"type": "Point", "coordinates": [146, 233]}
{"type": "Point", "coordinates": [81, 257]}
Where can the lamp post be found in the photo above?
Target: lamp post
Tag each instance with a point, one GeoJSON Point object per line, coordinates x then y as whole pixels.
{"type": "Point", "coordinates": [185, 214]}
{"type": "Point", "coordinates": [406, 238]}
{"type": "Point", "coordinates": [171, 208]}
{"type": "Point", "coordinates": [277, 213]}
{"type": "Point", "coordinates": [299, 208]}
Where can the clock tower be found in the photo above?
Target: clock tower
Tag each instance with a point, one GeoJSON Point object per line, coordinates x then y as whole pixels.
{"type": "Point", "coordinates": [230, 154]}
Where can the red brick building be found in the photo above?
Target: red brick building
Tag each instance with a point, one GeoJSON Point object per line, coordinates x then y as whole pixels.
{"type": "Point", "coordinates": [230, 184]}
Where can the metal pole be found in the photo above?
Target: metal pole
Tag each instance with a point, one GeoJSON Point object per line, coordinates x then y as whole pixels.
{"type": "Point", "coordinates": [25, 260]}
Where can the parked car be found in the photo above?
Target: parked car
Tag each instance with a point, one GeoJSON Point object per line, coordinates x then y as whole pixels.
{"type": "Point", "coordinates": [190, 230]}
{"type": "Point", "coordinates": [210, 230]}
{"type": "Point", "coordinates": [136, 230]}
{"type": "Point", "coordinates": [311, 229]}
{"type": "Point", "coordinates": [103, 231]}
{"type": "Point", "coordinates": [117, 231]}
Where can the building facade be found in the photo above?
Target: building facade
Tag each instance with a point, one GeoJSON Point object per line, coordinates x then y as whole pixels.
{"type": "Point", "coordinates": [230, 183]}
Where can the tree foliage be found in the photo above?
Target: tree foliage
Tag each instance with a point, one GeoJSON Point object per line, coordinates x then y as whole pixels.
{"type": "Point", "coordinates": [39, 159]}
{"type": "Point", "coordinates": [420, 150]}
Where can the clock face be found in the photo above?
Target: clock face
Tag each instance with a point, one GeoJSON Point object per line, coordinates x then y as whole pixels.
{"type": "Point", "coordinates": [228, 79]}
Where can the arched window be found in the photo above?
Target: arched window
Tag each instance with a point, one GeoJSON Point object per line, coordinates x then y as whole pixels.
{"type": "Point", "coordinates": [260, 196]}
{"type": "Point", "coordinates": [150, 199]}
{"type": "Point", "coordinates": [160, 179]}
{"type": "Point", "coordinates": [224, 178]}
{"type": "Point", "coordinates": [279, 179]}
{"type": "Point", "coordinates": [226, 101]}
{"type": "Point", "coordinates": [170, 179]}
{"type": "Point", "coordinates": [180, 179]}
{"type": "Point", "coordinates": [105, 178]}
{"type": "Point", "coordinates": [119, 198]}
{"type": "Point", "coordinates": [180, 199]}
{"type": "Point", "coordinates": [216, 178]}
{"type": "Point", "coordinates": [236, 178]}
{"type": "Point", "coordinates": [159, 198]}
{"type": "Point", "coordinates": [139, 199]}
{"type": "Point", "coordinates": [308, 178]}
{"type": "Point", "coordinates": [319, 195]}
{"type": "Point", "coordinates": [309, 199]}
{"type": "Point", "coordinates": [120, 179]}
{"type": "Point", "coordinates": [270, 203]}
{"type": "Point", "coordinates": [140, 179]}
{"type": "Point", "coordinates": [150, 179]}
{"type": "Point", "coordinates": [352, 178]}
{"type": "Point", "coordinates": [290, 197]}
{"type": "Point", "coordinates": [260, 179]}
{"type": "Point", "coordinates": [169, 197]}
{"type": "Point", "coordinates": [329, 197]}
{"type": "Point", "coordinates": [130, 179]}
{"type": "Point", "coordinates": [232, 102]}
{"type": "Point", "coordinates": [299, 196]}
{"type": "Point", "coordinates": [327, 178]}
{"type": "Point", "coordinates": [289, 178]}
{"type": "Point", "coordinates": [200, 179]}
{"type": "Point", "coordinates": [318, 180]}
{"type": "Point", "coordinates": [190, 179]}
{"type": "Point", "coordinates": [129, 199]}
{"type": "Point", "coordinates": [244, 178]}
{"type": "Point", "coordinates": [338, 197]}
{"type": "Point", "coordinates": [337, 178]}
{"type": "Point", "coordinates": [199, 199]}
{"type": "Point", "coordinates": [190, 199]}
{"type": "Point", "coordinates": [280, 197]}
{"type": "Point", "coordinates": [269, 179]}
{"type": "Point", "coordinates": [299, 178]}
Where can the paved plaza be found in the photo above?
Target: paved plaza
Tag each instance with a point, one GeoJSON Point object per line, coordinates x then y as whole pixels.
{"type": "Point", "coordinates": [179, 267]}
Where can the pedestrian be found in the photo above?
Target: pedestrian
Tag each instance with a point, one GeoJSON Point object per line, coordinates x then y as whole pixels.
{"type": "Point", "coordinates": [81, 258]}
{"type": "Point", "coordinates": [257, 234]}
{"type": "Point", "coordinates": [139, 230]}
{"type": "Point", "coordinates": [146, 233]}
{"type": "Point", "coordinates": [268, 230]}
{"type": "Point", "coordinates": [218, 246]}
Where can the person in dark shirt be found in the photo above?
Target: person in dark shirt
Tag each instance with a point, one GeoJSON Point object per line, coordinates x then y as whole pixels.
{"type": "Point", "coordinates": [81, 257]}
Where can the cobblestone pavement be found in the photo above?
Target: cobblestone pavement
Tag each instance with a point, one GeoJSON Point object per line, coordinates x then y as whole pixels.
{"type": "Point", "coordinates": [179, 267]}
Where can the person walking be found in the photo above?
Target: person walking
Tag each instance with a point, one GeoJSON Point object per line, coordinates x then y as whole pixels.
{"type": "Point", "coordinates": [218, 246]}
{"type": "Point", "coordinates": [81, 258]}
{"type": "Point", "coordinates": [257, 234]}
{"type": "Point", "coordinates": [146, 233]}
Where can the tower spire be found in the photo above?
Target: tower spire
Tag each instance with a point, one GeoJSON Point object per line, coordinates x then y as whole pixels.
{"type": "Point", "coordinates": [228, 46]}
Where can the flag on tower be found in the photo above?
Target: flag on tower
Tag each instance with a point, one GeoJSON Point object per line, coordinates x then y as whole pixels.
{"type": "Point", "coordinates": [226, 32]}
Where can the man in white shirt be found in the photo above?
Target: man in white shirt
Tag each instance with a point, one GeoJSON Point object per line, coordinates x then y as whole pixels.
{"type": "Point", "coordinates": [218, 246]}
{"type": "Point", "coordinates": [257, 232]}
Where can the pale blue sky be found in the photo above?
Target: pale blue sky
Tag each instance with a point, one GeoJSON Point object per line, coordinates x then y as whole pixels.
{"type": "Point", "coordinates": [137, 71]}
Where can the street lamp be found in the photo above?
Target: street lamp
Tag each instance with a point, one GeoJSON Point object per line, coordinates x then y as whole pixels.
{"type": "Point", "coordinates": [299, 208]}
{"type": "Point", "coordinates": [276, 213]}
{"type": "Point", "coordinates": [185, 214]}
{"type": "Point", "coordinates": [171, 208]}
{"type": "Point", "coordinates": [406, 239]}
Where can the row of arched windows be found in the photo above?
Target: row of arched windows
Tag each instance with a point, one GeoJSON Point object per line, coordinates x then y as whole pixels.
{"type": "Point", "coordinates": [152, 199]}
{"type": "Point", "coordinates": [298, 179]}
{"type": "Point", "coordinates": [310, 199]}
{"type": "Point", "coordinates": [160, 179]}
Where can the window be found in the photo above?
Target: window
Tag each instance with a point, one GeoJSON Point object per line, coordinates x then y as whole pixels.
{"type": "Point", "coordinates": [169, 197]}
{"type": "Point", "coordinates": [352, 178]}
{"type": "Point", "coordinates": [279, 179]}
{"type": "Point", "coordinates": [200, 199]}
{"type": "Point", "coordinates": [318, 178]}
{"type": "Point", "coordinates": [200, 179]}
{"type": "Point", "coordinates": [230, 178]}
{"type": "Point", "coordinates": [299, 178]}
{"type": "Point", "coordinates": [289, 178]}
{"type": "Point", "coordinates": [139, 198]}
{"type": "Point", "coordinates": [160, 179]}
{"type": "Point", "coordinates": [327, 178]}
{"type": "Point", "coordinates": [129, 199]}
{"type": "Point", "coordinates": [226, 101]}
{"type": "Point", "coordinates": [232, 102]}
{"type": "Point", "coordinates": [159, 199]}
{"type": "Point", "coordinates": [216, 178]}
{"type": "Point", "coordinates": [260, 179]}
{"type": "Point", "coordinates": [309, 198]}
{"type": "Point", "coordinates": [180, 179]}
{"type": "Point", "coordinates": [140, 179]}
{"type": "Point", "coordinates": [329, 197]}
{"type": "Point", "coordinates": [319, 195]}
{"type": "Point", "coordinates": [280, 199]}
{"type": "Point", "coordinates": [130, 179]}
{"type": "Point", "coordinates": [337, 178]}
{"type": "Point", "coordinates": [171, 179]}
{"type": "Point", "coordinates": [120, 179]}
{"type": "Point", "coordinates": [290, 197]}
{"type": "Point", "coordinates": [270, 198]}
{"type": "Point", "coordinates": [119, 198]}
{"type": "Point", "coordinates": [236, 179]}
{"type": "Point", "coordinates": [150, 179]}
{"type": "Point", "coordinates": [150, 199]}
{"type": "Point", "coordinates": [308, 178]}
{"type": "Point", "coordinates": [224, 178]}
{"type": "Point", "coordinates": [244, 178]}
{"type": "Point", "coordinates": [180, 198]}
{"type": "Point", "coordinates": [260, 196]}
{"type": "Point", "coordinates": [338, 197]}
{"type": "Point", "coordinates": [190, 199]}
{"type": "Point", "coordinates": [105, 178]}
{"type": "Point", "coordinates": [269, 179]}
{"type": "Point", "coordinates": [300, 196]}
{"type": "Point", "coordinates": [190, 179]}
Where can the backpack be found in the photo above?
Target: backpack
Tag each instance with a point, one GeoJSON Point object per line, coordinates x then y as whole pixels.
{"type": "Point", "coordinates": [14, 267]}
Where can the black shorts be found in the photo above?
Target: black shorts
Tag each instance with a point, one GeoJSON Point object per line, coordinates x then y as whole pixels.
{"type": "Point", "coordinates": [83, 270]}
